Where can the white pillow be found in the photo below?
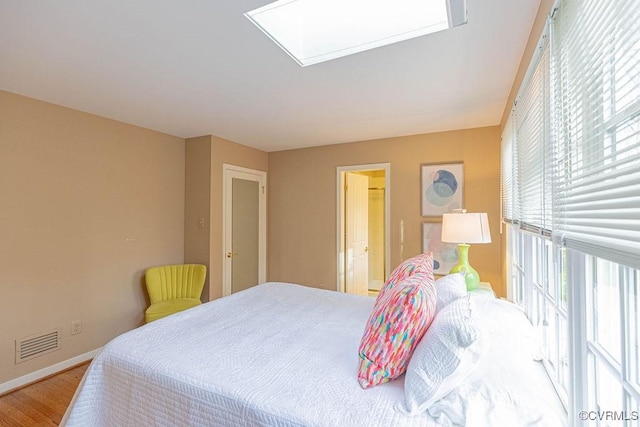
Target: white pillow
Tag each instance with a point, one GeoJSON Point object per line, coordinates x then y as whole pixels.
{"type": "Point", "coordinates": [446, 355]}
{"type": "Point", "coordinates": [449, 288]}
{"type": "Point", "coordinates": [507, 387]}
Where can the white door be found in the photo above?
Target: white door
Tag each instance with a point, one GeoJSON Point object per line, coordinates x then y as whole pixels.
{"type": "Point", "coordinates": [357, 234]}
{"type": "Point", "coordinates": [376, 238]}
{"type": "Point", "coordinates": [244, 222]}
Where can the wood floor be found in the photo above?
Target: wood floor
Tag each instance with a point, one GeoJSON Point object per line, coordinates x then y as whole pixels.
{"type": "Point", "coordinates": [42, 403]}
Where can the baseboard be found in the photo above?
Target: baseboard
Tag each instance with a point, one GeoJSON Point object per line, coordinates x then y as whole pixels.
{"type": "Point", "coordinates": [46, 372]}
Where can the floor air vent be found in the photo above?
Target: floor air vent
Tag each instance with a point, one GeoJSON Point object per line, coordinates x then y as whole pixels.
{"type": "Point", "coordinates": [37, 345]}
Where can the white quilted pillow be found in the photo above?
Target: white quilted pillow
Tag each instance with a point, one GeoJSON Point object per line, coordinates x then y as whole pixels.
{"type": "Point", "coordinates": [449, 288]}
{"type": "Point", "coordinates": [446, 355]}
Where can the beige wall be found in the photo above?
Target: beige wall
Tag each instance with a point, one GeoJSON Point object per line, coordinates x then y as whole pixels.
{"type": "Point", "coordinates": [86, 205]}
{"type": "Point", "coordinates": [302, 200]}
{"type": "Point", "coordinates": [198, 204]}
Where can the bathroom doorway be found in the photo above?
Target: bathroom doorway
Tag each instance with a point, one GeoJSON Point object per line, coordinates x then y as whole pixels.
{"type": "Point", "coordinates": [363, 228]}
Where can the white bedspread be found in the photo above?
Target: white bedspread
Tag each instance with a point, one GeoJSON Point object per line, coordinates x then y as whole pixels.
{"type": "Point", "coordinates": [274, 355]}
{"type": "Point", "coordinates": [277, 355]}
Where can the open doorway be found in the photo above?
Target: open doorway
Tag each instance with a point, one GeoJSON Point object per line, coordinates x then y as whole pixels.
{"type": "Point", "coordinates": [363, 227]}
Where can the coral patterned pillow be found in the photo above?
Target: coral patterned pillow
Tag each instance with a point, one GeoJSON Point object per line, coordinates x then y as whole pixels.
{"type": "Point", "coordinates": [396, 325]}
{"type": "Point", "coordinates": [422, 263]}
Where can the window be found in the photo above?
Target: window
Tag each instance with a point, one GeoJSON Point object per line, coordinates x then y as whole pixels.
{"type": "Point", "coordinates": [571, 197]}
{"type": "Point", "coordinates": [612, 335]}
{"type": "Point", "coordinates": [538, 285]}
{"type": "Point", "coordinates": [314, 31]}
{"type": "Point", "coordinates": [595, 64]}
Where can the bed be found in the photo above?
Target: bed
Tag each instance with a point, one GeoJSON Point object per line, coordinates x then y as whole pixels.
{"type": "Point", "coordinates": [282, 354]}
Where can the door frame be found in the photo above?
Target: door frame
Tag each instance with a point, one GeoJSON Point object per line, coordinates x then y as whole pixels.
{"type": "Point", "coordinates": [340, 228]}
{"type": "Point", "coordinates": [232, 171]}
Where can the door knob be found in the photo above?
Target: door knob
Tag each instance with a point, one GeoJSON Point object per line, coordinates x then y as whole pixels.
{"type": "Point", "coordinates": [229, 255]}
{"type": "Point", "coordinates": [366, 248]}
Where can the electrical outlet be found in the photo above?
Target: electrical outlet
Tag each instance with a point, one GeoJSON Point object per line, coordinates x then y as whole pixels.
{"type": "Point", "coordinates": [76, 327]}
{"type": "Point", "coordinates": [201, 222]}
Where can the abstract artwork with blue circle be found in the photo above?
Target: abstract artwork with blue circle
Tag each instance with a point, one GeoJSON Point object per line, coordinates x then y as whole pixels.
{"type": "Point", "coordinates": [441, 188]}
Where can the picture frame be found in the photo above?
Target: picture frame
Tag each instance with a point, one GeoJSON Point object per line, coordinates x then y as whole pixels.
{"type": "Point", "coordinates": [442, 188]}
{"type": "Point", "coordinates": [445, 255]}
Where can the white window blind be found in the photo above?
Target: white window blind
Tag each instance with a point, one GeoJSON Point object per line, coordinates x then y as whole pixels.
{"type": "Point", "coordinates": [531, 123]}
{"type": "Point", "coordinates": [596, 86]}
{"type": "Point", "coordinates": [508, 172]}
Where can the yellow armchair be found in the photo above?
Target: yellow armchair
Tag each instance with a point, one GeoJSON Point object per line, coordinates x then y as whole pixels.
{"type": "Point", "coordinates": [173, 288]}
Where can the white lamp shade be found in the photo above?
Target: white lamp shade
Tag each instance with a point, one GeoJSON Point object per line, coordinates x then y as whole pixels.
{"type": "Point", "coordinates": [465, 228]}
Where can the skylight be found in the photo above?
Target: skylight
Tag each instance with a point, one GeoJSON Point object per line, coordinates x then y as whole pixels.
{"type": "Point", "coordinates": [314, 31]}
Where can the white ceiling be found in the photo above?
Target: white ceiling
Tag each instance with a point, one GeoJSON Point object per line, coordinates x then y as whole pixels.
{"type": "Point", "coordinates": [196, 67]}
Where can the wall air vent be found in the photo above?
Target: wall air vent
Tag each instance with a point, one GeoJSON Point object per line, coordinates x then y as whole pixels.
{"type": "Point", "coordinates": [37, 345]}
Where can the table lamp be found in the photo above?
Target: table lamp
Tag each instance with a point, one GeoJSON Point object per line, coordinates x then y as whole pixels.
{"type": "Point", "coordinates": [464, 228]}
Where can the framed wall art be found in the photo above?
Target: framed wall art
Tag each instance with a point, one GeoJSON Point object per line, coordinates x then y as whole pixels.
{"type": "Point", "coordinates": [441, 187]}
{"type": "Point", "coordinates": [445, 255]}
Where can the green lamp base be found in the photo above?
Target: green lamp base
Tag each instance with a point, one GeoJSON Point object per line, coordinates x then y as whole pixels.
{"type": "Point", "coordinates": [471, 276]}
